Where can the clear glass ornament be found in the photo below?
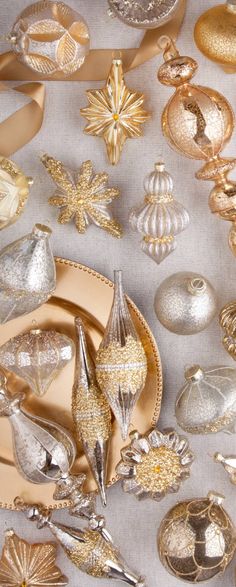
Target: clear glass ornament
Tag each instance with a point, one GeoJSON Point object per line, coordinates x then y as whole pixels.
{"type": "Point", "coordinates": [37, 356]}
{"type": "Point", "coordinates": [27, 274]}
{"type": "Point", "coordinates": [160, 218]}
{"type": "Point", "coordinates": [145, 14]}
{"type": "Point", "coordinates": [207, 402]}
{"type": "Point", "coordinates": [121, 363]}
{"type": "Point", "coordinates": [14, 191]}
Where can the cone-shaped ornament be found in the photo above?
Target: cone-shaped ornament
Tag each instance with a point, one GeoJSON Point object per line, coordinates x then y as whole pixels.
{"type": "Point", "coordinates": [90, 410]}
{"type": "Point", "coordinates": [121, 364]}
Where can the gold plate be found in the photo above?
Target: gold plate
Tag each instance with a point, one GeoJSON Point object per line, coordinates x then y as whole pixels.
{"type": "Point", "coordinates": [80, 291]}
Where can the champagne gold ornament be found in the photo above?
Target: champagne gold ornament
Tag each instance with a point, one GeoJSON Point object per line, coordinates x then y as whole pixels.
{"type": "Point", "coordinates": [37, 356]}
{"type": "Point", "coordinates": [215, 34]}
{"type": "Point", "coordinates": [228, 323]}
{"type": "Point", "coordinates": [90, 411]}
{"type": "Point", "coordinates": [160, 218]}
{"type": "Point", "coordinates": [115, 112]}
{"type": "Point", "coordinates": [14, 191]}
{"type": "Point", "coordinates": [196, 540]}
{"type": "Point", "coordinates": [50, 37]}
{"type": "Point", "coordinates": [121, 363]}
{"type": "Point", "coordinates": [82, 196]}
{"type": "Point", "coordinates": [198, 122]}
{"type": "Point", "coordinates": [154, 464]}
{"type": "Point", "coordinates": [28, 565]}
{"type": "Point", "coordinates": [144, 14]}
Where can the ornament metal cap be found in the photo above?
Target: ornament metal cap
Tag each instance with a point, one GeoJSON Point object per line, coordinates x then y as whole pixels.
{"type": "Point", "coordinates": [216, 498]}
{"type": "Point", "coordinates": [194, 373]}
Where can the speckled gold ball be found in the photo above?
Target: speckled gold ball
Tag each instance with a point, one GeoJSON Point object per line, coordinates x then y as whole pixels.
{"type": "Point", "coordinates": [215, 34]}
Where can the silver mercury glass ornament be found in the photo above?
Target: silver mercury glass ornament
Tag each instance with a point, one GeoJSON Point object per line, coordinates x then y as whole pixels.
{"type": "Point", "coordinates": [144, 14]}
{"type": "Point", "coordinates": [160, 218]}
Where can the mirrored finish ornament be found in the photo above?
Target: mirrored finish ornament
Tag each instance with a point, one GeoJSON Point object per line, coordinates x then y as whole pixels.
{"type": "Point", "coordinates": [154, 464]}
{"type": "Point", "coordinates": [50, 37]}
{"type": "Point", "coordinates": [207, 402]}
{"type": "Point", "coordinates": [90, 411]}
{"type": "Point", "coordinates": [37, 356]}
{"type": "Point", "coordinates": [27, 274]}
{"type": "Point", "coordinates": [14, 191]}
{"type": "Point", "coordinates": [160, 218]}
{"type": "Point", "coordinates": [121, 363]}
{"type": "Point", "coordinates": [196, 539]}
{"type": "Point", "coordinates": [228, 323]}
{"type": "Point", "coordinates": [145, 14]}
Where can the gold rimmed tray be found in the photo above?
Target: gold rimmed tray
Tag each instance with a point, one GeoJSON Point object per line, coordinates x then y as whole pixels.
{"type": "Point", "coordinates": [80, 291]}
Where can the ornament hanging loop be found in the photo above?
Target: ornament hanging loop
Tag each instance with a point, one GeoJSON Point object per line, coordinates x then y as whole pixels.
{"type": "Point", "coordinates": [168, 46]}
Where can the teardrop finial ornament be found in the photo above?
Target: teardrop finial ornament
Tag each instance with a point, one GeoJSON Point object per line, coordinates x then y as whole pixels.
{"type": "Point", "coordinates": [160, 218]}
{"type": "Point", "coordinates": [90, 411]}
{"type": "Point", "coordinates": [121, 363]}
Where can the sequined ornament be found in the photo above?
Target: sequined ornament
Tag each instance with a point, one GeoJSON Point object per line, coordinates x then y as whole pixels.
{"type": "Point", "coordinates": [215, 34]}
{"type": "Point", "coordinates": [50, 37]}
{"type": "Point", "coordinates": [14, 191]}
{"type": "Point", "coordinates": [207, 402]}
{"type": "Point", "coordinates": [160, 218]}
{"type": "Point", "coordinates": [115, 112]}
{"type": "Point", "coordinates": [198, 122]}
{"type": "Point", "coordinates": [37, 356]}
{"type": "Point", "coordinates": [196, 539]}
{"type": "Point", "coordinates": [121, 363]}
{"type": "Point", "coordinates": [82, 196]}
{"type": "Point", "coordinates": [228, 323]}
{"type": "Point", "coordinates": [144, 14]}
{"type": "Point", "coordinates": [154, 464]}
{"type": "Point", "coordinates": [90, 411]}
{"type": "Point", "coordinates": [28, 565]}
{"type": "Point", "coordinates": [229, 464]}
{"type": "Point", "coordinates": [185, 303]}
{"type": "Point", "coordinates": [27, 274]}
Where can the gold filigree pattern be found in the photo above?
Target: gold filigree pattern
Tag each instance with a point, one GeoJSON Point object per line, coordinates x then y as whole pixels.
{"type": "Point", "coordinates": [123, 367]}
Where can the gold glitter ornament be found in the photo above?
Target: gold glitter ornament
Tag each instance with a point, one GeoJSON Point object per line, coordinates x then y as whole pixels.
{"type": "Point", "coordinates": [28, 565]}
{"type": "Point", "coordinates": [82, 196]}
{"type": "Point", "coordinates": [14, 191]}
{"type": "Point", "coordinates": [228, 323]}
{"type": "Point", "coordinates": [198, 122]}
{"type": "Point", "coordinates": [121, 363]}
{"type": "Point", "coordinates": [214, 35]}
{"type": "Point", "coordinates": [154, 464]}
{"type": "Point", "coordinates": [90, 411]}
{"type": "Point", "coordinates": [196, 539]}
{"type": "Point", "coordinates": [115, 112]}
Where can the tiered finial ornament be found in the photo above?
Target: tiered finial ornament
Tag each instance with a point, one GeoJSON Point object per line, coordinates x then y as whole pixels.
{"type": "Point", "coordinates": [160, 218]}
{"type": "Point", "coordinates": [198, 122]}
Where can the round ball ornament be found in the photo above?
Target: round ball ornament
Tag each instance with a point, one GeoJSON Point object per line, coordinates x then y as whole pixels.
{"type": "Point", "coordinates": [50, 38]}
{"type": "Point", "coordinates": [196, 540]}
{"type": "Point", "coordinates": [144, 14]}
{"type": "Point", "coordinates": [185, 303]}
{"type": "Point", "coordinates": [215, 34]}
{"type": "Point", "coordinates": [14, 191]}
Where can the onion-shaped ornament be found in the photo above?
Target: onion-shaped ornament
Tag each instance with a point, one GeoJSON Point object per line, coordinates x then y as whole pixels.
{"type": "Point", "coordinates": [196, 539]}
{"type": "Point", "coordinates": [160, 218]}
{"type": "Point", "coordinates": [206, 404]}
{"type": "Point", "coordinates": [228, 323]}
{"type": "Point", "coordinates": [37, 356]}
{"type": "Point", "coordinates": [144, 14]}
{"type": "Point", "coordinates": [14, 191]}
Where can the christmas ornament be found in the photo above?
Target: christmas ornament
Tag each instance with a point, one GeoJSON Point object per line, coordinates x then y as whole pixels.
{"type": "Point", "coordinates": [154, 464]}
{"type": "Point", "coordinates": [160, 218]}
{"type": "Point", "coordinates": [229, 464]}
{"type": "Point", "coordinates": [198, 122]}
{"type": "Point", "coordinates": [82, 196]}
{"type": "Point", "coordinates": [28, 565]}
{"type": "Point", "coordinates": [196, 540]}
{"type": "Point", "coordinates": [27, 274]}
{"type": "Point", "coordinates": [207, 401]}
{"type": "Point", "coordinates": [90, 410]}
{"type": "Point", "coordinates": [50, 37]}
{"type": "Point", "coordinates": [37, 356]}
{"type": "Point", "coordinates": [115, 112]}
{"type": "Point", "coordinates": [185, 303]}
{"type": "Point", "coordinates": [214, 34]}
{"type": "Point", "coordinates": [14, 191]}
{"type": "Point", "coordinates": [144, 14]}
{"type": "Point", "coordinates": [228, 323]}
{"type": "Point", "coordinates": [121, 364]}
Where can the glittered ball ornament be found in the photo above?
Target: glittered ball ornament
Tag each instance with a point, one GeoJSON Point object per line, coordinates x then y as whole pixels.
{"type": "Point", "coordinates": [185, 303]}
{"type": "Point", "coordinates": [144, 14]}
{"type": "Point", "coordinates": [14, 191]}
{"type": "Point", "coordinates": [50, 38]}
{"type": "Point", "coordinates": [215, 35]}
{"type": "Point", "coordinates": [196, 540]}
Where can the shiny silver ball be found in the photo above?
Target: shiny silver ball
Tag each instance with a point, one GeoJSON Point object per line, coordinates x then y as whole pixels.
{"type": "Point", "coordinates": [185, 303]}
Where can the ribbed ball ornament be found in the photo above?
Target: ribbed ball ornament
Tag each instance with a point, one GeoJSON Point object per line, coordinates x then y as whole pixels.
{"type": "Point", "coordinates": [160, 217]}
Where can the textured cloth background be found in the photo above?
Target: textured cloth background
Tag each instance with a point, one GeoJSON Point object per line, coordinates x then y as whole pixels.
{"type": "Point", "coordinates": [202, 248]}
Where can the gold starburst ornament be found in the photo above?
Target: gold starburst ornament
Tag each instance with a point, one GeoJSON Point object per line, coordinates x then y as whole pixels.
{"type": "Point", "coordinates": [28, 565]}
{"type": "Point", "coordinates": [82, 196]}
{"type": "Point", "coordinates": [115, 112]}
